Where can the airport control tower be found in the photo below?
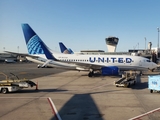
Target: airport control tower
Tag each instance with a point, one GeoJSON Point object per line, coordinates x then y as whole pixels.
{"type": "Point", "coordinates": [111, 43]}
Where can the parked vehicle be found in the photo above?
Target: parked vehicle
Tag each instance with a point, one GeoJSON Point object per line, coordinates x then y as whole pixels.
{"type": "Point", "coordinates": [11, 84]}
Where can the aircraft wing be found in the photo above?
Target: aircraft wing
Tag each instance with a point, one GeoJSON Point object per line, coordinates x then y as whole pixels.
{"type": "Point", "coordinates": [21, 54]}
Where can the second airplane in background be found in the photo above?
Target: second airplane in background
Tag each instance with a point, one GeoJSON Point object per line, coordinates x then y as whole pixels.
{"type": "Point", "coordinates": [106, 64]}
{"type": "Point", "coordinates": [64, 49]}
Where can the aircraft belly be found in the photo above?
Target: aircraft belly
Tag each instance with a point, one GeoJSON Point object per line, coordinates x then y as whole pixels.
{"type": "Point", "coordinates": [132, 68]}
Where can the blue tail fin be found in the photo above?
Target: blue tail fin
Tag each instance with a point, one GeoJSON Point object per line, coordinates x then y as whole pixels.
{"type": "Point", "coordinates": [64, 49]}
{"type": "Point", "coordinates": [34, 44]}
{"type": "Point", "coordinates": [70, 50]}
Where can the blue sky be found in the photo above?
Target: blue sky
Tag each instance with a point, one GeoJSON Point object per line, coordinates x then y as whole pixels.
{"type": "Point", "coordinates": [80, 24]}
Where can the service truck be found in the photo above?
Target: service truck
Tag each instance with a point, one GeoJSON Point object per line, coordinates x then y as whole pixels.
{"type": "Point", "coordinates": [127, 79]}
{"type": "Point", "coordinates": [11, 84]}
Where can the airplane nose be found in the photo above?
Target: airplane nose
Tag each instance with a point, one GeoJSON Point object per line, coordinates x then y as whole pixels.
{"type": "Point", "coordinates": [154, 65]}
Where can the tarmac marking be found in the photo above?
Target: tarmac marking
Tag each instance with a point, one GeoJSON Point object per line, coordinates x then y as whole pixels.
{"type": "Point", "coordinates": [54, 109]}
{"type": "Point", "coordinates": [142, 115]}
{"type": "Point", "coordinates": [101, 86]}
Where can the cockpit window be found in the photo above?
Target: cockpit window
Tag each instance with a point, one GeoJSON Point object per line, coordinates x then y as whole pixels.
{"type": "Point", "coordinates": [148, 60]}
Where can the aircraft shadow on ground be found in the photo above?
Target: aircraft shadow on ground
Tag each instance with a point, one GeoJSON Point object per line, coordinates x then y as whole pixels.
{"type": "Point", "coordinates": [80, 107]}
{"type": "Point", "coordinates": [100, 75]}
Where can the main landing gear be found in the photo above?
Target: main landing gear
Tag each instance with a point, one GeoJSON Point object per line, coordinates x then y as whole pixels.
{"type": "Point", "coordinates": [40, 66]}
{"type": "Point", "coordinates": [90, 74]}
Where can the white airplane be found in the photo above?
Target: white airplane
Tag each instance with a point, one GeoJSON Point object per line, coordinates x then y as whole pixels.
{"type": "Point", "coordinates": [106, 64]}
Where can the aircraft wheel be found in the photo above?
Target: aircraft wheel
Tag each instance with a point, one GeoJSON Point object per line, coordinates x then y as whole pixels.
{"type": "Point", "coordinates": [151, 91]}
{"type": "Point", "coordinates": [4, 90]}
{"type": "Point", "coordinates": [134, 83]}
{"type": "Point", "coordinates": [128, 85]}
{"type": "Point", "coordinates": [38, 66]}
{"type": "Point", "coordinates": [90, 74]}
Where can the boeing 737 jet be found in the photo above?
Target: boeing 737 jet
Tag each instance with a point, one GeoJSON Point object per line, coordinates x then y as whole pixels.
{"type": "Point", "coordinates": [39, 52]}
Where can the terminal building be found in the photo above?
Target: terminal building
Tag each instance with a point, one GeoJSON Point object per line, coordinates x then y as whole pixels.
{"type": "Point", "coordinates": [10, 58]}
{"type": "Point", "coordinates": [6, 57]}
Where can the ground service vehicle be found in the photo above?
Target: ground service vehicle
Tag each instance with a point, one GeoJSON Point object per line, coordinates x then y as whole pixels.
{"type": "Point", "coordinates": [128, 78]}
{"type": "Point", "coordinates": [11, 84]}
{"type": "Point", "coordinates": [154, 83]}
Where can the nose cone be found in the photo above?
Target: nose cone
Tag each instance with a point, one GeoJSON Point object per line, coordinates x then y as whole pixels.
{"type": "Point", "coordinates": [154, 65]}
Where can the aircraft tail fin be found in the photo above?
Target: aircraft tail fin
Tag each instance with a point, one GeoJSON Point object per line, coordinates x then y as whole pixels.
{"type": "Point", "coordinates": [64, 49]}
{"type": "Point", "coordinates": [34, 43]}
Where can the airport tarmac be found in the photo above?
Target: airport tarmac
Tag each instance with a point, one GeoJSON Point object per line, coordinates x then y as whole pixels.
{"type": "Point", "coordinates": [75, 96]}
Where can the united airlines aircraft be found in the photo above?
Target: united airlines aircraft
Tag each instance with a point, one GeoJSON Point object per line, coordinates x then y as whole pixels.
{"type": "Point", "coordinates": [39, 52]}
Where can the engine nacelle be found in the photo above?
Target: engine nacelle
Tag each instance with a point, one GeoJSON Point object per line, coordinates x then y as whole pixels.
{"type": "Point", "coordinates": [111, 70]}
